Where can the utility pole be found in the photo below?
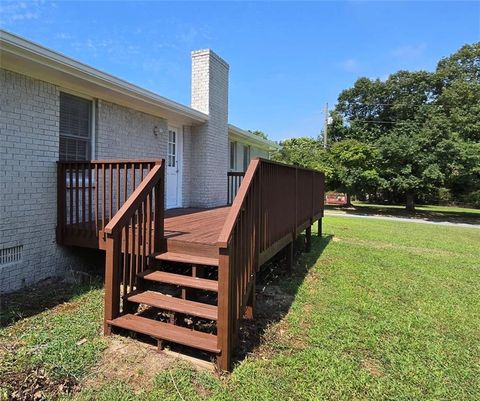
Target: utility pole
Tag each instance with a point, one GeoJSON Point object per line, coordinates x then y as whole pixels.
{"type": "Point", "coordinates": [325, 129]}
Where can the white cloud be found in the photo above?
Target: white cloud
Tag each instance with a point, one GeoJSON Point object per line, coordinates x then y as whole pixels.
{"type": "Point", "coordinates": [350, 65]}
{"type": "Point", "coordinates": [409, 51]}
{"type": "Point", "coordinates": [11, 12]}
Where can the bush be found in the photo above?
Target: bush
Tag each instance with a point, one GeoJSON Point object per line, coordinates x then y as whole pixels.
{"type": "Point", "coordinates": [473, 199]}
{"type": "Point", "coordinates": [444, 196]}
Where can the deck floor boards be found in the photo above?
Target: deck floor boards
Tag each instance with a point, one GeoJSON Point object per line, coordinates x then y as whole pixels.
{"type": "Point", "coordinates": [191, 225]}
{"type": "Point", "coordinates": [195, 225]}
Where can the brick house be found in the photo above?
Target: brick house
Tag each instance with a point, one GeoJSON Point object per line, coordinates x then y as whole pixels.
{"type": "Point", "coordinates": [55, 108]}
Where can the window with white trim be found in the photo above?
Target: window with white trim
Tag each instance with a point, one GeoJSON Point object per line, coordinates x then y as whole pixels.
{"type": "Point", "coordinates": [75, 127]}
{"type": "Point", "coordinates": [233, 155]}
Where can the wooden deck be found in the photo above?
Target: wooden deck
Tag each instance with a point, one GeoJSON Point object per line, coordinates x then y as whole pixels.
{"type": "Point", "coordinates": [184, 263]}
{"type": "Point", "coordinates": [195, 225]}
{"type": "Point", "coordinates": [193, 231]}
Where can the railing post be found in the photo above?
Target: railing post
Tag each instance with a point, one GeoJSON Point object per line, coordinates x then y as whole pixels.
{"type": "Point", "coordinates": [158, 224]}
{"type": "Point", "coordinates": [61, 204]}
{"type": "Point", "coordinates": [112, 284]}
{"type": "Point", "coordinates": [225, 316]}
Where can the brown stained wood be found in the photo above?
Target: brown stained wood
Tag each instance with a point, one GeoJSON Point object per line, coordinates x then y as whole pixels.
{"type": "Point", "coordinates": [186, 258]}
{"type": "Point", "coordinates": [308, 239]}
{"type": "Point", "coordinates": [134, 201]}
{"type": "Point", "coordinates": [179, 305]}
{"type": "Point", "coordinates": [181, 280]}
{"type": "Point", "coordinates": [259, 224]}
{"type": "Point", "coordinates": [167, 332]}
{"type": "Point", "coordinates": [274, 203]}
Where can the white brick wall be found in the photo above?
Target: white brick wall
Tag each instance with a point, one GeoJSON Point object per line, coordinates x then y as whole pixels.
{"type": "Point", "coordinates": [28, 154]}
{"type": "Point", "coordinates": [124, 133]}
{"type": "Point", "coordinates": [29, 140]}
{"type": "Point", "coordinates": [209, 142]}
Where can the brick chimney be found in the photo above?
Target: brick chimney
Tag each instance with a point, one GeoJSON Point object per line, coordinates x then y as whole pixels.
{"type": "Point", "coordinates": [210, 140]}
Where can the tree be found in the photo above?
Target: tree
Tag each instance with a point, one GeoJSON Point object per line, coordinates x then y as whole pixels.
{"type": "Point", "coordinates": [459, 85]}
{"type": "Point", "coordinates": [305, 152]}
{"type": "Point", "coordinates": [354, 166]}
{"type": "Point", "coordinates": [261, 134]}
{"type": "Point", "coordinates": [409, 164]}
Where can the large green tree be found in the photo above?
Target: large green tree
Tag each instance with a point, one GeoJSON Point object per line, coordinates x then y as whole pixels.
{"type": "Point", "coordinates": [354, 167]}
{"type": "Point", "coordinates": [425, 125]}
{"type": "Point", "coordinates": [305, 152]}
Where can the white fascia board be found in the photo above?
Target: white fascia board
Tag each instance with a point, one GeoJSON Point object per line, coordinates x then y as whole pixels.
{"type": "Point", "coordinates": [251, 139]}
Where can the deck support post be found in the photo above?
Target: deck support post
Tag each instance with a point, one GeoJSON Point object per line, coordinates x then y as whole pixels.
{"type": "Point", "coordinates": [225, 324]}
{"type": "Point", "coordinates": [308, 238]}
{"type": "Point", "coordinates": [320, 227]}
{"type": "Point", "coordinates": [250, 309]}
{"type": "Point", "coordinates": [112, 284]}
{"type": "Point", "coordinates": [289, 249]}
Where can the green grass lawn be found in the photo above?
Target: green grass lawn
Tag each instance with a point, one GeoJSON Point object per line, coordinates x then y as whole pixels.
{"type": "Point", "coordinates": [430, 212]}
{"type": "Point", "coordinates": [383, 310]}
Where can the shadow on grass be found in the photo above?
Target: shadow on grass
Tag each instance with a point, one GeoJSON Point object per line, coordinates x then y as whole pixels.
{"type": "Point", "coordinates": [450, 216]}
{"type": "Point", "coordinates": [51, 292]}
{"type": "Point", "coordinates": [276, 288]}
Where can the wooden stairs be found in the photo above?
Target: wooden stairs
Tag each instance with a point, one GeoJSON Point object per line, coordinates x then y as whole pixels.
{"type": "Point", "coordinates": [174, 299]}
{"type": "Point", "coordinates": [183, 276]}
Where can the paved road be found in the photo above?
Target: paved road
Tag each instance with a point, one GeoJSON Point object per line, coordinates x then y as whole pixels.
{"type": "Point", "coordinates": [403, 219]}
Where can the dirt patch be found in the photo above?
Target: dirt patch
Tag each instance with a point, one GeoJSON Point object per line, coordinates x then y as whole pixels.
{"type": "Point", "coordinates": [372, 366]}
{"type": "Point", "coordinates": [34, 385]}
{"type": "Point", "coordinates": [129, 361]}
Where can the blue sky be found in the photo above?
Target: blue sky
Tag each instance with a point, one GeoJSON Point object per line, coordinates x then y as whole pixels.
{"type": "Point", "coordinates": [286, 58]}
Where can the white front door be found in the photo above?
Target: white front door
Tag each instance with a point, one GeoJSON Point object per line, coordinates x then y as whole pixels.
{"type": "Point", "coordinates": [174, 168]}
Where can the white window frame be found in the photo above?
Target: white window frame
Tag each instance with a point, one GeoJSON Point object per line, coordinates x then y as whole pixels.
{"type": "Point", "coordinates": [93, 131]}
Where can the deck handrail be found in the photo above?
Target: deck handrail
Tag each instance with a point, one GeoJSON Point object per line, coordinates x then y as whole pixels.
{"type": "Point", "coordinates": [234, 179]}
{"type": "Point", "coordinates": [275, 202]}
{"type": "Point", "coordinates": [90, 192]}
{"type": "Point", "coordinates": [135, 232]}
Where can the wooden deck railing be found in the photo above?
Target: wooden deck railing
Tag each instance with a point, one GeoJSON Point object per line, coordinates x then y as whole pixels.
{"type": "Point", "coordinates": [235, 178]}
{"type": "Point", "coordinates": [275, 202]}
{"type": "Point", "coordinates": [91, 192]}
{"type": "Point", "coordinates": [133, 233]}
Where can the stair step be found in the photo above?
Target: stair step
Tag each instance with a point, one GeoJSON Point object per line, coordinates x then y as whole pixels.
{"type": "Point", "coordinates": [186, 258]}
{"type": "Point", "coordinates": [173, 304]}
{"type": "Point", "coordinates": [192, 248]}
{"type": "Point", "coordinates": [167, 332]}
{"type": "Point", "coordinates": [180, 279]}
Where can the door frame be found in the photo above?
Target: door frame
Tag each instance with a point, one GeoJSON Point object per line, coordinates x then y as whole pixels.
{"type": "Point", "coordinates": [179, 157]}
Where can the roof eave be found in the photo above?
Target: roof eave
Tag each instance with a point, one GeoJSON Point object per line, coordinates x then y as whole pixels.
{"type": "Point", "coordinates": [24, 54]}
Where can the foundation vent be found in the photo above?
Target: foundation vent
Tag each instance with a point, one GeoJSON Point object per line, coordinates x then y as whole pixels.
{"type": "Point", "coordinates": [11, 255]}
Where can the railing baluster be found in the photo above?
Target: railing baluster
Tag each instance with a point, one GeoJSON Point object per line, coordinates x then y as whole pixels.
{"type": "Point", "coordinates": [83, 195]}
{"type": "Point", "coordinates": [118, 186]}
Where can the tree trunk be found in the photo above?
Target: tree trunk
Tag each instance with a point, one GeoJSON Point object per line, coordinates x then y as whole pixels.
{"type": "Point", "coordinates": [410, 204]}
{"type": "Point", "coordinates": [349, 200]}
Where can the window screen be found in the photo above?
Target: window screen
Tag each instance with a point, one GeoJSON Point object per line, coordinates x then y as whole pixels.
{"type": "Point", "coordinates": [233, 155]}
{"type": "Point", "coordinates": [246, 157]}
{"type": "Point", "coordinates": [75, 127]}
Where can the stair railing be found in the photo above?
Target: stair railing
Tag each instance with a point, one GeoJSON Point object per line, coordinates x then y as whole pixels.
{"type": "Point", "coordinates": [275, 202]}
{"type": "Point", "coordinates": [134, 232]}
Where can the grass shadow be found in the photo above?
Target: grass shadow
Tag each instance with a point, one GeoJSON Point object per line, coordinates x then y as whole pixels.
{"type": "Point", "coordinates": [35, 299]}
{"type": "Point", "coordinates": [427, 213]}
{"type": "Point", "coordinates": [276, 288]}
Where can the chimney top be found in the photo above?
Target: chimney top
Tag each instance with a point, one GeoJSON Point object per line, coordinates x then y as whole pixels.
{"type": "Point", "coordinates": [211, 53]}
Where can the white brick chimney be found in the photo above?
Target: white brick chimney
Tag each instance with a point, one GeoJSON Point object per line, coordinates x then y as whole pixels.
{"type": "Point", "coordinates": [210, 141]}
